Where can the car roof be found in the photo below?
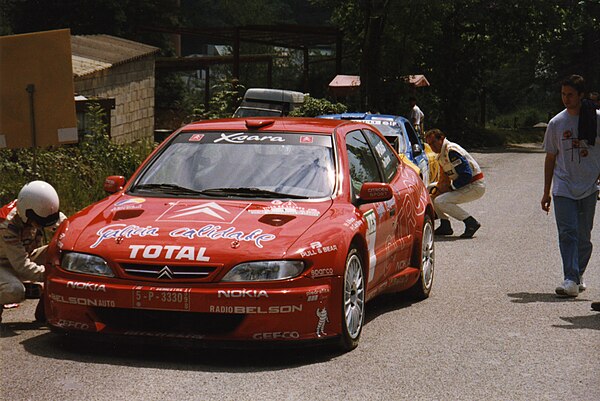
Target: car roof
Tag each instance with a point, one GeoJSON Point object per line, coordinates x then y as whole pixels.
{"type": "Point", "coordinates": [261, 124]}
{"type": "Point", "coordinates": [365, 116]}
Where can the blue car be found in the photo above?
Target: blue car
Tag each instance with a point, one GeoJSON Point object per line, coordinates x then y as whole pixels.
{"type": "Point", "coordinates": [400, 134]}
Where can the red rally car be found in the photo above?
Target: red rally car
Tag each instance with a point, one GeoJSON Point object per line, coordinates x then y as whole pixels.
{"type": "Point", "coordinates": [257, 229]}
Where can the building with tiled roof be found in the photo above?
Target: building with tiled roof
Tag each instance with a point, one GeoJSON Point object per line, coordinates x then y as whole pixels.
{"type": "Point", "coordinates": [120, 74]}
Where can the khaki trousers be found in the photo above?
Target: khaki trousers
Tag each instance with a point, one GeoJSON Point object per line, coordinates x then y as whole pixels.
{"type": "Point", "coordinates": [446, 204]}
{"type": "Point", "coordinates": [12, 290]}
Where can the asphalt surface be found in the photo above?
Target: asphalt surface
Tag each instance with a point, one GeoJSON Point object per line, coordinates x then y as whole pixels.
{"type": "Point", "coordinates": [491, 330]}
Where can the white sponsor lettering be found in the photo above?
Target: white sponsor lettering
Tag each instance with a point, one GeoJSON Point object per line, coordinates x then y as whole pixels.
{"type": "Point", "coordinates": [317, 248]}
{"type": "Point", "coordinates": [83, 301]}
{"type": "Point", "coordinates": [69, 324]}
{"type": "Point", "coordinates": [168, 335]}
{"type": "Point", "coordinates": [244, 293]}
{"type": "Point", "coordinates": [328, 271]}
{"type": "Point", "coordinates": [86, 286]}
{"type": "Point", "coordinates": [168, 252]}
{"type": "Point", "coordinates": [371, 238]}
{"type": "Point", "coordinates": [287, 208]}
{"type": "Point", "coordinates": [276, 335]}
{"type": "Point", "coordinates": [123, 231]}
{"type": "Point", "coordinates": [255, 310]}
{"type": "Point", "coordinates": [315, 295]}
{"type": "Point", "coordinates": [214, 232]}
{"type": "Point", "coordinates": [241, 137]}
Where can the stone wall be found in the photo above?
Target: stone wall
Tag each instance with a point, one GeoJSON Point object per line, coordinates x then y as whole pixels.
{"type": "Point", "coordinates": [132, 86]}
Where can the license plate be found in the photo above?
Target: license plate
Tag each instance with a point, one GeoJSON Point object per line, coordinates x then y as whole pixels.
{"type": "Point", "coordinates": [161, 298]}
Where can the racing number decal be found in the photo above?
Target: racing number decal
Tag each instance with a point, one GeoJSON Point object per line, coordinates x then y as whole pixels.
{"type": "Point", "coordinates": [371, 219]}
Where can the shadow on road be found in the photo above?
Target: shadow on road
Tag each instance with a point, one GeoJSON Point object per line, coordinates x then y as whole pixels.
{"type": "Point", "coordinates": [11, 329]}
{"type": "Point", "coordinates": [528, 297]}
{"type": "Point", "coordinates": [440, 238]}
{"type": "Point", "coordinates": [172, 354]}
{"type": "Point", "coordinates": [138, 353]}
{"type": "Point", "coordinates": [581, 322]}
{"type": "Point", "coordinates": [386, 303]}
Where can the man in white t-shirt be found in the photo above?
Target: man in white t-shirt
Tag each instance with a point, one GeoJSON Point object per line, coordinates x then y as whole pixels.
{"type": "Point", "coordinates": [572, 169]}
{"type": "Point", "coordinates": [416, 115]}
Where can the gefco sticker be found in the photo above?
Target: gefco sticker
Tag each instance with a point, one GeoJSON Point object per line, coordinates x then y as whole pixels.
{"type": "Point", "coordinates": [316, 248]}
{"type": "Point", "coordinates": [70, 324]}
{"type": "Point", "coordinates": [243, 137]}
{"type": "Point", "coordinates": [285, 208]}
{"type": "Point", "coordinates": [276, 335]}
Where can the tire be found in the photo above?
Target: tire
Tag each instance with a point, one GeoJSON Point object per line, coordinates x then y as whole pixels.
{"type": "Point", "coordinates": [353, 301]}
{"type": "Point", "coordinates": [425, 254]}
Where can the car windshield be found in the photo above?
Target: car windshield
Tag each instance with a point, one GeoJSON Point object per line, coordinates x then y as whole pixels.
{"type": "Point", "coordinates": [242, 164]}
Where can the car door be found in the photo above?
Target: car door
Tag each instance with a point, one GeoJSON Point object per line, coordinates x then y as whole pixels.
{"type": "Point", "coordinates": [379, 216]}
{"type": "Point", "coordinates": [401, 208]}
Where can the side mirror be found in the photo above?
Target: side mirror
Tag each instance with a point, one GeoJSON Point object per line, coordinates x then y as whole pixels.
{"type": "Point", "coordinates": [371, 192]}
{"type": "Point", "coordinates": [114, 183]}
{"type": "Point", "coordinates": [417, 150]}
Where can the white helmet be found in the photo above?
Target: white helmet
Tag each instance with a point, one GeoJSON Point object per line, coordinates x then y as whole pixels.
{"type": "Point", "coordinates": [38, 202]}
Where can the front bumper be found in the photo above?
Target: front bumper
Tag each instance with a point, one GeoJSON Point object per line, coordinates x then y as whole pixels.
{"type": "Point", "coordinates": [294, 310]}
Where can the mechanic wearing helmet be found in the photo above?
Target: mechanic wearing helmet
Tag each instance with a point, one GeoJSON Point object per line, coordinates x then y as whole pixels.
{"type": "Point", "coordinates": [461, 182]}
{"type": "Point", "coordinates": [22, 255]}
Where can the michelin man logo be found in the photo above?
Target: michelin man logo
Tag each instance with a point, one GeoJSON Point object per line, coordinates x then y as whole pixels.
{"type": "Point", "coordinates": [323, 318]}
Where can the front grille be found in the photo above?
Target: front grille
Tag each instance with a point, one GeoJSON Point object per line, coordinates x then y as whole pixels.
{"type": "Point", "coordinates": [168, 321]}
{"type": "Point", "coordinates": [168, 272]}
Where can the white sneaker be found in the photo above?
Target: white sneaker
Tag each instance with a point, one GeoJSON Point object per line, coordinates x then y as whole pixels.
{"type": "Point", "coordinates": [582, 286]}
{"type": "Point", "coordinates": [568, 288]}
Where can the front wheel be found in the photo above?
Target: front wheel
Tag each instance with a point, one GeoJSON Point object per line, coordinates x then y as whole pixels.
{"type": "Point", "coordinates": [353, 301]}
{"type": "Point", "coordinates": [422, 288]}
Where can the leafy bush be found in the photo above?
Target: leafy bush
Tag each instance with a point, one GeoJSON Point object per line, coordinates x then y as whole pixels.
{"type": "Point", "coordinates": [77, 172]}
{"type": "Point", "coordinates": [314, 107]}
{"type": "Point", "coordinates": [525, 118]}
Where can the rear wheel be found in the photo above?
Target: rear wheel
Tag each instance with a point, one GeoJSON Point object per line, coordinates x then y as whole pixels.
{"type": "Point", "coordinates": [353, 301]}
{"type": "Point", "coordinates": [426, 257]}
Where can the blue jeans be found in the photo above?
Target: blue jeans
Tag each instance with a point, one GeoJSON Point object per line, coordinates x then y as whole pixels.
{"type": "Point", "coordinates": [574, 220]}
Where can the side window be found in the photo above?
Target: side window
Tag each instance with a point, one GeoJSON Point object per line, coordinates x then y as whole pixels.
{"type": "Point", "coordinates": [363, 165]}
{"type": "Point", "coordinates": [412, 135]}
{"type": "Point", "coordinates": [388, 159]}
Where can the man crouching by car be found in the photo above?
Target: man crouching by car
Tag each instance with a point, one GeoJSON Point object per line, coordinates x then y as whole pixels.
{"type": "Point", "coordinates": [461, 181]}
{"type": "Point", "coordinates": [22, 255]}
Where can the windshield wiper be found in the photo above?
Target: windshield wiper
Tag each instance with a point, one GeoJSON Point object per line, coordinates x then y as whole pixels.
{"type": "Point", "coordinates": [166, 189]}
{"type": "Point", "coordinates": [249, 192]}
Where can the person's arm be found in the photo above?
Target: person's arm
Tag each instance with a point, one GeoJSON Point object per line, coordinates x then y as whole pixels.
{"type": "Point", "coordinates": [462, 168]}
{"type": "Point", "coordinates": [549, 164]}
{"type": "Point", "coordinates": [19, 258]}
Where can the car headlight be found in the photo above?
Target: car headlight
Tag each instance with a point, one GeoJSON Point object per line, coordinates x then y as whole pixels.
{"type": "Point", "coordinates": [265, 270]}
{"type": "Point", "coordinates": [87, 264]}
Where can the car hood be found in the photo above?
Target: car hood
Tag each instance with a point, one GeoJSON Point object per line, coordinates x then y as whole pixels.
{"type": "Point", "coordinates": [124, 227]}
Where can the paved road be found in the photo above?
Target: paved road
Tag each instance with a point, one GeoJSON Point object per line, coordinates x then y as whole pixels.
{"type": "Point", "coordinates": [492, 330]}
